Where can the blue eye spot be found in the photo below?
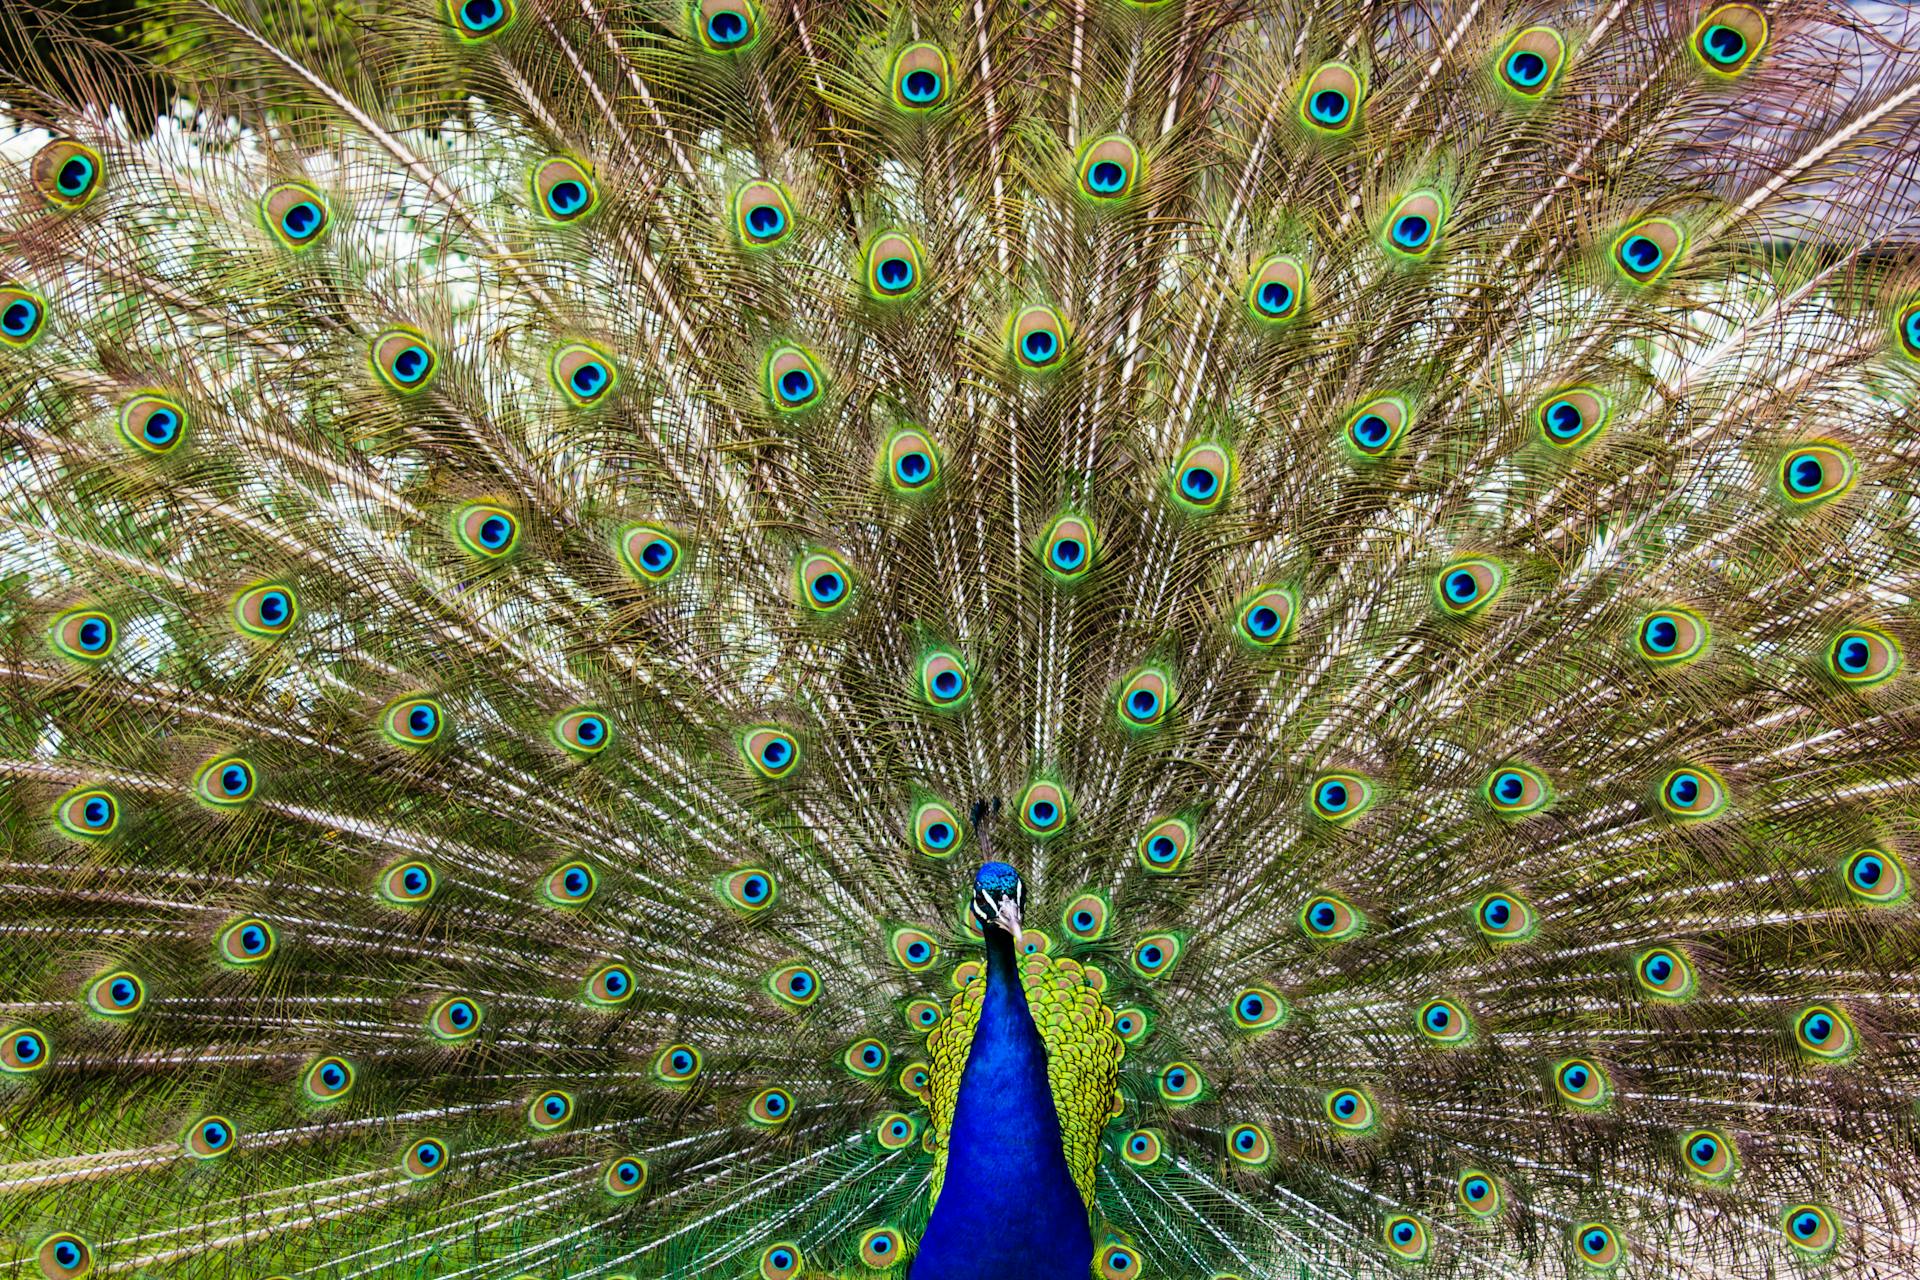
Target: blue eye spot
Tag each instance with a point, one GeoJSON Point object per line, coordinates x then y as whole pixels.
{"type": "Point", "coordinates": [1594, 1242]}
{"type": "Point", "coordinates": [1806, 474]}
{"type": "Point", "coordinates": [1143, 702]}
{"type": "Point", "coordinates": [921, 86]}
{"type": "Point", "coordinates": [75, 175]}
{"type": "Point", "coordinates": [726, 27]}
{"type": "Point", "coordinates": [1162, 849]}
{"type": "Point", "coordinates": [18, 319]}
{"type": "Point", "coordinates": [1805, 1224]}
{"type": "Point", "coordinates": [1867, 871]}
{"type": "Point", "coordinates": [274, 608]}
{"type": "Point", "coordinates": [1083, 920]}
{"type": "Point", "coordinates": [1275, 297]}
{"type": "Point", "coordinates": [1641, 254]}
{"type": "Point", "coordinates": [1333, 796]}
{"type": "Point", "coordinates": [589, 378]}
{"type": "Point", "coordinates": [1345, 1105]}
{"type": "Point", "coordinates": [895, 273]}
{"type": "Point", "coordinates": [1372, 430]}
{"type": "Point", "coordinates": [766, 220]}
{"type": "Point", "coordinates": [1324, 916]}
{"type": "Point", "coordinates": [1819, 1027]}
{"type": "Point", "coordinates": [1684, 789]}
{"type": "Point", "coordinates": [460, 1013]}
{"type": "Point", "coordinates": [1412, 230]}
{"type": "Point", "coordinates": [912, 468]}
{"type": "Point", "coordinates": [93, 634]}
{"type": "Point", "coordinates": [411, 365]}
{"type": "Point", "coordinates": [1068, 553]}
{"type": "Point", "coordinates": [161, 426]}
{"type": "Point", "coordinates": [1403, 1233]}
{"type": "Point", "coordinates": [1438, 1018]}
{"type": "Point", "coordinates": [421, 720]}
{"type": "Point", "coordinates": [775, 753]}
{"type": "Point", "coordinates": [66, 1253]}
{"type": "Point", "coordinates": [947, 684]}
{"type": "Point", "coordinates": [1564, 420]}
{"type": "Point", "coordinates": [1462, 587]}
{"type": "Point", "coordinates": [1477, 1190]}
{"type": "Point", "coordinates": [1039, 345]}
{"type": "Point", "coordinates": [252, 940]}
{"type": "Point", "coordinates": [1575, 1078]}
{"type": "Point", "coordinates": [332, 1076]}
{"type": "Point", "coordinates": [301, 220]}
{"type": "Point", "coordinates": [1329, 106]}
{"type": "Point", "coordinates": [1527, 68]}
{"type": "Point", "coordinates": [1251, 1007]}
{"type": "Point", "coordinates": [1043, 812]}
{"type": "Point", "coordinates": [1724, 44]}
{"type": "Point", "coordinates": [939, 835]}
{"type": "Point", "coordinates": [122, 991]}
{"type": "Point", "coordinates": [1854, 655]}
{"type": "Point", "coordinates": [800, 984]}
{"type": "Point", "coordinates": [567, 197]}
{"type": "Point", "coordinates": [1107, 177]}
{"type": "Point", "coordinates": [1199, 483]}
{"type": "Point", "coordinates": [827, 588]}
{"type": "Point", "coordinates": [97, 812]}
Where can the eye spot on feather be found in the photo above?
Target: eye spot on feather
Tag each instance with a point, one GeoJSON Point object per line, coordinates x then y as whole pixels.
{"type": "Point", "coordinates": [1811, 1229]}
{"type": "Point", "coordinates": [1111, 168]}
{"type": "Point", "coordinates": [1202, 476]}
{"type": "Point", "coordinates": [328, 1079]}
{"type": "Point", "coordinates": [1728, 39]}
{"type": "Point", "coordinates": [1340, 797]}
{"type": "Point", "coordinates": [1530, 63]}
{"type": "Point", "coordinates": [1039, 338]}
{"type": "Point", "coordinates": [1479, 1194]}
{"type": "Point", "coordinates": [1443, 1022]}
{"type": "Point", "coordinates": [1671, 636]}
{"type": "Point", "coordinates": [1906, 330]}
{"type": "Point", "coordinates": [866, 1058]}
{"type": "Point", "coordinates": [922, 1016]}
{"type": "Point", "coordinates": [425, 1158]}
{"type": "Point", "coordinates": [550, 1110]}
{"type": "Point", "coordinates": [1824, 1033]}
{"type": "Point", "coordinates": [943, 680]}
{"type": "Point", "coordinates": [1862, 657]}
{"type": "Point", "coordinates": [1330, 99]}
{"type": "Point", "coordinates": [1376, 427]}
{"type": "Point", "coordinates": [895, 1131]}
{"type": "Point", "coordinates": [1180, 1083]}
{"type": "Point", "coordinates": [1505, 917]}
{"type": "Point", "coordinates": [1816, 473]}
{"type": "Point", "coordinates": [1351, 1111]}
{"type": "Point", "coordinates": [1597, 1246]}
{"type": "Point", "coordinates": [408, 884]}
{"type": "Point", "coordinates": [1573, 417]}
{"type": "Point", "coordinates": [1582, 1083]}
{"type": "Point", "coordinates": [1043, 809]}
{"type": "Point", "coordinates": [649, 552]}
{"type": "Point", "coordinates": [936, 832]}
{"type": "Point", "coordinates": [910, 462]}
{"type": "Point", "coordinates": [1155, 955]}
{"type": "Point", "coordinates": [625, 1176]}
{"type": "Point", "coordinates": [119, 994]}
{"type": "Point", "coordinates": [1141, 1148]}
{"type": "Point", "coordinates": [763, 214]}
{"type": "Point", "coordinates": [225, 782]}
{"type": "Point", "coordinates": [1466, 587]}
{"type": "Point", "coordinates": [677, 1064]}
{"type": "Point", "coordinates": [1144, 698]}
{"type": "Point", "coordinates": [826, 584]}
{"type": "Point", "coordinates": [266, 612]}
{"type": "Point", "coordinates": [404, 360]}
{"type": "Point", "coordinates": [1257, 1009]}
{"type": "Point", "coordinates": [1277, 291]}
{"type": "Point", "coordinates": [1647, 250]}
{"type": "Point", "coordinates": [1875, 877]}
{"type": "Point", "coordinates": [571, 884]}
{"type": "Point", "coordinates": [24, 1050]}
{"type": "Point", "coordinates": [456, 1019]}
{"type": "Point", "coordinates": [1665, 973]}
{"type": "Point", "coordinates": [727, 26]}
{"type": "Point", "coordinates": [1412, 228]}
{"type": "Point", "coordinates": [413, 722]}
{"type": "Point", "coordinates": [249, 941]}
{"type": "Point", "coordinates": [922, 78]}
{"type": "Point", "coordinates": [153, 423]}
{"type": "Point", "coordinates": [67, 174]}
{"type": "Point", "coordinates": [477, 20]}
{"type": "Point", "coordinates": [1516, 791]}
{"type": "Point", "coordinates": [1406, 1237]}
{"type": "Point", "coordinates": [1693, 793]}
{"type": "Point", "coordinates": [796, 985]}
{"type": "Point", "coordinates": [485, 530]}
{"type": "Point", "coordinates": [1163, 849]}
{"type": "Point", "coordinates": [1116, 1262]}
{"type": "Point", "coordinates": [23, 315]}
{"type": "Point", "coordinates": [64, 1256]}
{"type": "Point", "coordinates": [1710, 1156]}
{"type": "Point", "coordinates": [583, 374]}
{"type": "Point", "coordinates": [914, 949]}
{"type": "Point", "coordinates": [1067, 552]}
{"type": "Point", "coordinates": [90, 813]}
{"type": "Point", "coordinates": [1330, 919]}
{"type": "Point", "coordinates": [295, 214]}
{"type": "Point", "coordinates": [85, 635]}
{"type": "Point", "coordinates": [1132, 1025]}
{"type": "Point", "coordinates": [780, 1262]}
{"type": "Point", "coordinates": [610, 985]}
{"type": "Point", "coordinates": [563, 191]}
{"type": "Point", "coordinates": [771, 1107]}
{"type": "Point", "coordinates": [881, 1248]}
{"type": "Point", "coordinates": [210, 1137]}
{"type": "Point", "coordinates": [1250, 1145]}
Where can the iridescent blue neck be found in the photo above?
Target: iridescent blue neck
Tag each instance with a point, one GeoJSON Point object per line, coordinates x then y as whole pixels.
{"type": "Point", "coordinates": [1009, 1207]}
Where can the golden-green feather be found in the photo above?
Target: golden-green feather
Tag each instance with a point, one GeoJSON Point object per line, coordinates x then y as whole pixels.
{"type": "Point", "coordinates": [543, 541]}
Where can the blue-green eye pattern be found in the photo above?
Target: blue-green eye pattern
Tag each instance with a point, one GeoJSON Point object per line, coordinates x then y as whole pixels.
{"type": "Point", "coordinates": [922, 78]}
{"type": "Point", "coordinates": [476, 20]}
{"type": "Point", "coordinates": [726, 26]}
{"type": "Point", "coordinates": [1906, 330]}
{"type": "Point", "coordinates": [1466, 587]}
{"type": "Point", "coordinates": [1692, 793]}
{"type": "Point", "coordinates": [67, 174]}
{"type": "Point", "coordinates": [563, 191]}
{"type": "Point", "coordinates": [1572, 417]}
{"type": "Point", "coordinates": [1647, 250]}
{"type": "Point", "coordinates": [295, 213]}
{"type": "Point", "coordinates": [23, 314]}
{"type": "Point", "coordinates": [153, 423]}
{"type": "Point", "coordinates": [119, 994]}
{"type": "Point", "coordinates": [1875, 877]}
{"type": "Point", "coordinates": [1413, 227]}
{"type": "Point", "coordinates": [404, 359]}
{"type": "Point", "coordinates": [1728, 39]}
{"type": "Point", "coordinates": [1811, 1229]}
{"type": "Point", "coordinates": [1330, 99]}
{"type": "Point", "coordinates": [1277, 293]}
{"type": "Point", "coordinates": [1530, 63]}
{"type": "Point", "coordinates": [1815, 473]}
{"type": "Point", "coordinates": [1110, 168]}
{"type": "Point", "coordinates": [1862, 657]}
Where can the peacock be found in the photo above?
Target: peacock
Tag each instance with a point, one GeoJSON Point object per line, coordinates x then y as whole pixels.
{"type": "Point", "coordinates": [1254, 639]}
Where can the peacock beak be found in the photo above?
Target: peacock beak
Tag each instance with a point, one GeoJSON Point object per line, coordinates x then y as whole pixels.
{"type": "Point", "coordinates": [1001, 909]}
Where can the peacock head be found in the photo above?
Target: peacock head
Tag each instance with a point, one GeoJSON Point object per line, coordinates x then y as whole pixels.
{"type": "Point", "coordinates": [998, 895]}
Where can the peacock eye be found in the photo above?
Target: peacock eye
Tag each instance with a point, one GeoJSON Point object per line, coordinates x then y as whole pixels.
{"type": "Point", "coordinates": [67, 174]}
{"type": "Point", "coordinates": [922, 78]}
{"type": "Point", "coordinates": [485, 530]}
{"type": "Point", "coordinates": [1664, 973]}
{"type": "Point", "coordinates": [404, 359]}
{"type": "Point", "coordinates": [1350, 1110]}
{"type": "Point", "coordinates": [1155, 955]}
{"type": "Point", "coordinates": [64, 1256]}
{"type": "Point", "coordinates": [329, 1079]}
{"type": "Point", "coordinates": [1729, 38]}
{"type": "Point", "coordinates": [1531, 62]}
{"type": "Point", "coordinates": [1406, 1236]}
{"type": "Point", "coordinates": [456, 1019]}
{"type": "Point", "coordinates": [1330, 919]}
{"type": "Point", "coordinates": [1876, 877]}
{"type": "Point", "coordinates": [779, 1262]}
{"type": "Point", "coordinates": [1144, 698]}
{"type": "Point", "coordinates": [936, 832]}
{"type": "Point", "coordinates": [826, 584]}
{"type": "Point", "coordinates": [1180, 1083]}
{"type": "Point", "coordinates": [1043, 810]}
{"type": "Point", "coordinates": [85, 635]}
{"type": "Point", "coordinates": [1132, 1024]}
{"type": "Point", "coordinates": [649, 552]}
{"type": "Point", "coordinates": [1330, 99]}
{"type": "Point", "coordinates": [1110, 168]}
{"type": "Point", "coordinates": [1671, 636]}
{"type": "Point", "coordinates": [1038, 338]}
{"type": "Point", "coordinates": [583, 732]}
{"type": "Point", "coordinates": [408, 884]}
{"type": "Point", "coordinates": [1277, 291]}
{"type": "Point", "coordinates": [266, 611]}
{"type": "Point", "coordinates": [1823, 1032]}
{"type": "Point", "coordinates": [1142, 1148]}
{"type": "Point", "coordinates": [24, 1050]}
{"type": "Point", "coordinates": [1811, 1230]}
{"type": "Point", "coordinates": [1413, 226]}
{"type": "Point", "coordinates": [571, 884]}
{"type": "Point", "coordinates": [119, 994]}
{"type": "Point", "coordinates": [763, 215]}
{"type": "Point", "coordinates": [1693, 792]}
{"type": "Point", "coordinates": [771, 1107]}
{"type": "Point", "coordinates": [247, 942]}
{"type": "Point", "coordinates": [562, 190]}
{"type": "Point", "coordinates": [609, 985]}
{"type": "Point", "coordinates": [895, 1131]}
{"type": "Point", "coordinates": [1647, 250]}
{"type": "Point", "coordinates": [1163, 849]}
{"type": "Point", "coordinates": [1258, 1009]}
{"type": "Point", "coordinates": [772, 752]}
{"type": "Point", "coordinates": [1597, 1246]}
{"type": "Point", "coordinates": [1862, 657]}
{"type": "Point", "coordinates": [1504, 917]}
{"type": "Point", "coordinates": [91, 813]}
{"type": "Point", "coordinates": [915, 949]}
{"type": "Point", "coordinates": [1376, 427]}
{"type": "Point", "coordinates": [1067, 552]}
{"type": "Point", "coordinates": [153, 423]}
{"type": "Point", "coordinates": [1582, 1083]}
{"type": "Point", "coordinates": [295, 214]}
{"type": "Point", "coordinates": [1340, 797]}
{"type": "Point", "coordinates": [23, 314]}
{"type": "Point", "coordinates": [797, 985]}
{"type": "Point", "coordinates": [726, 26]}
{"type": "Point", "coordinates": [1479, 1194]}
{"type": "Point", "coordinates": [793, 379]}
{"type": "Point", "coordinates": [413, 722]}
{"type": "Point", "coordinates": [943, 680]}
{"type": "Point", "coordinates": [1517, 790]}
{"type": "Point", "coordinates": [209, 1138]}
{"type": "Point", "coordinates": [1444, 1022]}
{"type": "Point", "coordinates": [1465, 587]}
{"type": "Point", "coordinates": [625, 1176]}
{"type": "Point", "coordinates": [893, 268]}
{"type": "Point", "coordinates": [677, 1064]}
{"type": "Point", "coordinates": [425, 1158]}
{"type": "Point", "coordinates": [1710, 1155]}
{"type": "Point", "coordinates": [584, 374]}
{"type": "Point", "coordinates": [867, 1058]}
{"type": "Point", "coordinates": [476, 20]}
{"type": "Point", "coordinates": [550, 1110]}
{"type": "Point", "coordinates": [1572, 418]}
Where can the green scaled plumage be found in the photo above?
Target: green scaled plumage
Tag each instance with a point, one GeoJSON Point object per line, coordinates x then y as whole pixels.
{"type": "Point", "coordinates": [526, 529]}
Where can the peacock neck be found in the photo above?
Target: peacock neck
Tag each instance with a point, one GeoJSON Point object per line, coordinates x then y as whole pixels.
{"type": "Point", "coordinates": [1009, 1208]}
